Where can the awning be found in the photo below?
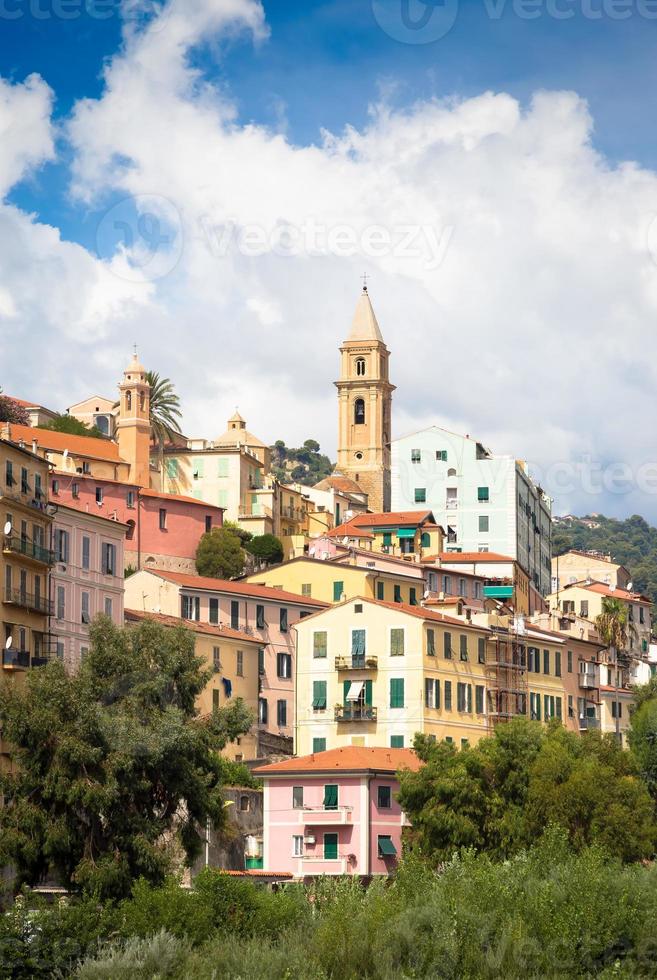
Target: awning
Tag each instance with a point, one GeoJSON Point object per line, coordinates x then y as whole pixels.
{"type": "Point", "coordinates": [353, 693]}
{"type": "Point", "coordinates": [406, 532]}
{"type": "Point", "coordinates": [386, 847]}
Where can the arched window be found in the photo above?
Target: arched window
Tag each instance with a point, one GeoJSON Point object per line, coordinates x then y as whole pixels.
{"type": "Point", "coordinates": [425, 541]}
{"type": "Point", "coordinates": [451, 472]}
{"type": "Point", "coordinates": [359, 411]}
{"type": "Point", "coordinates": [360, 366]}
{"type": "Point", "coordinates": [142, 401]}
{"type": "Point", "coordinates": [128, 400]}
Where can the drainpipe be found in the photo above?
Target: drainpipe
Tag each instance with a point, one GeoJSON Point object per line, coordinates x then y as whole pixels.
{"type": "Point", "coordinates": [368, 856]}
{"type": "Point", "coordinates": [138, 529]}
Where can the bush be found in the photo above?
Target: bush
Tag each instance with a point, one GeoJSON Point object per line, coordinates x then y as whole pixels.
{"type": "Point", "coordinates": [220, 554]}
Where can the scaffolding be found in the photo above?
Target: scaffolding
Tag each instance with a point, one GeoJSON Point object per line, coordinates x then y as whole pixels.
{"type": "Point", "coordinates": [506, 669]}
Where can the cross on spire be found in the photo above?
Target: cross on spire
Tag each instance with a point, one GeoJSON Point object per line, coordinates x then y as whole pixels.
{"type": "Point", "coordinates": [365, 277]}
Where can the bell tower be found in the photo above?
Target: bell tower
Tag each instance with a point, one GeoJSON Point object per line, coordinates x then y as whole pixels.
{"type": "Point", "coordinates": [364, 407]}
{"type": "Point", "coordinates": [133, 425]}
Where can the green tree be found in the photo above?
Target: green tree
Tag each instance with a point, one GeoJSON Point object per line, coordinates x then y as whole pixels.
{"type": "Point", "coordinates": [642, 738]}
{"type": "Point", "coordinates": [267, 548]}
{"type": "Point", "coordinates": [165, 414]}
{"type": "Point", "coordinates": [112, 762]}
{"type": "Point", "coordinates": [239, 532]}
{"type": "Point", "coordinates": [72, 427]}
{"type": "Point", "coordinates": [500, 795]}
{"type": "Point", "coordinates": [11, 411]}
{"type": "Point", "coordinates": [220, 554]}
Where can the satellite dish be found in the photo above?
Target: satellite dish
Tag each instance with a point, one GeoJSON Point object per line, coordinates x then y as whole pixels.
{"type": "Point", "coordinates": [8, 527]}
{"type": "Point", "coordinates": [629, 584]}
{"type": "Point", "coordinates": [9, 642]}
{"type": "Point", "coordinates": [426, 594]}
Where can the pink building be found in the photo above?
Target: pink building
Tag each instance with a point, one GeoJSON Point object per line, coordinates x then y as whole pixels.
{"type": "Point", "coordinates": [335, 812]}
{"type": "Point", "coordinates": [259, 612]}
{"type": "Point", "coordinates": [163, 529]}
{"type": "Point", "coordinates": [86, 579]}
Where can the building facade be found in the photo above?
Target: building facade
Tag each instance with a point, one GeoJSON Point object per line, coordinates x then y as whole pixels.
{"type": "Point", "coordinates": [334, 812]}
{"type": "Point", "coordinates": [578, 566]}
{"type": "Point", "coordinates": [586, 600]}
{"type": "Point", "coordinates": [483, 502]}
{"type": "Point", "coordinates": [410, 534]}
{"type": "Point", "coordinates": [365, 407]}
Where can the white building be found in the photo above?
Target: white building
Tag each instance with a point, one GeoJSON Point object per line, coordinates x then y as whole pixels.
{"type": "Point", "coordinates": [483, 502]}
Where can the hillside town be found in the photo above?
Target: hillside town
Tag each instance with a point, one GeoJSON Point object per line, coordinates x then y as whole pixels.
{"type": "Point", "coordinates": [415, 592]}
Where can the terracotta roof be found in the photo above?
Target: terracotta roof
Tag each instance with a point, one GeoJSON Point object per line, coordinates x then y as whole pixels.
{"type": "Point", "coordinates": [59, 441]}
{"type": "Point", "coordinates": [467, 557]}
{"type": "Point", "coordinates": [339, 482]}
{"type": "Point", "coordinates": [177, 496]}
{"type": "Point", "coordinates": [349, 531]}
{"type": "Point", "coordinates": [195, 627]}
{"type": "Point", "coordinates": [351, 758]}
{"type": "Point", "coordinates": [255, 873]}
{"type": "Point", "coordinates": [239, 588]}
{"type": "Point", "coordinates": [389, 520]}
{"type": "Point", "coordinates": [419, 612]}
{"type": "Point", "coordinates": [603, 589]}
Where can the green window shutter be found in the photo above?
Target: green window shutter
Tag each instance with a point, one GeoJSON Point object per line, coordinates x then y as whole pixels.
{"type": "Point", "coordinates": [447, 646]}
{"type": "Point", "coordinates": [425, 540]}
{"type": "Point", "coordinates": [380, 591]}
{"type": "Point", "coordinates": [397, 642]}
{"type": "Point", "coordinates": [448, 695]}
{"type": "Point", "coordinates": [368, 693]}
{"type": "Point", "coordinates": [358, 643]}
{"type": "Point", "coordinates": [345, 691]}
{"type": "Point", "coordinates": [197, 467]}
{"type": "Point", "coordinates": [319, 644]}
{"type": "Point", "coordinates": [222, 498]}
{"type": "Point", "coordinates": [319, 745]}
{"type": "Point", "coordinates": [396, 741]}
{"type": "Point", "coordinates": [172, 467]}
{"type": "Point", "coordinates": [319, 695]}
{"type": "Point", "coordinates": [460, 696]}
{"type": "Point", "coordinates": [479, 699]}
{"type": "Point", "coordinates": [546, 706]}
{"type": "Point", "coordinates": [387, 539]}
{"type": "Point", "coordinates": [483, 494]}
{"type": "Point", "coordinates": [557, 663]}
{"type": "Point", "coordinates": [330, 847]}
{"type": "Point", "coordinates": [412, 597]}
{"type": "Point", "coordinates": [463, 641]}
{"type": "Point", "coordinates": [222, 466]}
{"type": "Point", "coordinates": [559, 709]}
{"type": "Point", "coordinates": [431, 643]}
{"type": "Point", "coordinates": [546, 661]}
{"type": "Point", "coordinates": [396, 692]}
{"type": "Point", "coordinates": [420, 495]}
{"type": "Point", "coordinates": [398, 597]}
{"type": "Point", "coordinates": [438, 694]}
{"type": "Point", "coordinates": [481, 650]}
{"type": "Point", "coordinates": [338, 589]}
{"type": "Point", "coordinates": [331, 796]}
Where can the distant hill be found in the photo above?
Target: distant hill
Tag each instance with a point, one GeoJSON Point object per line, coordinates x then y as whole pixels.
{"type": "Point", "coordinates": [305, 465]}
{"type": "Point", "coordinates": [632, 542]}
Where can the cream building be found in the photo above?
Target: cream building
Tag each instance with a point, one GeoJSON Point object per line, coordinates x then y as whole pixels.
{"type": "Point", "coordinates": [586, 600]}
{"type": "Point", "coordinates": [577, 566]}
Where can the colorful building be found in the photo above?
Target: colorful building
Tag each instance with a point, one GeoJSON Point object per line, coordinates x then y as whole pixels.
{"type": "Point", "coordinates": [578, 566]}
{"type": "Point", "coordinates": [86, 579]}
{"type": "Point", "coordinates": [335, 812]}
{"type": "Point", "coordinates": [586, 599]}
{"type": "Point", "coordinates": [266, 615]}
{"type": "Point", "coordinates": [233, 658]}
{"type": "Point", "coordinates": [412, 534]}
{"type": "Point", "coordinates": [503, 578]}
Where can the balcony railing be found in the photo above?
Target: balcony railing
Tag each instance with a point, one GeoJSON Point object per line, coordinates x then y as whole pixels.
{"type": "Point", "coordinates": [357, 661]}
{"type": "Point", "coordinates": [15, 658]}
{"type": "Point", "coordinates": [588, 723]}
{"type": "Point", "coordinates": [355, 712]}
{"type": "Point", "coordinates": [16, 545]}
{"type": "Point", "coordinates": [451, 503]}
{"type": "Point", "coordinates": [35, 603]}
{"type": "Point", "coordinates": [321, 816]}
{"type": "Point", "coordinates": [588, 679]}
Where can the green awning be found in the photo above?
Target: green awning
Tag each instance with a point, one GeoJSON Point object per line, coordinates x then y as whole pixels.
{"type": "Point", "coordinates": [386, 847]}
{"type": "Point", "coordinates": [498, 591]}
{"type": "Point", "coordinates": [406, 532]}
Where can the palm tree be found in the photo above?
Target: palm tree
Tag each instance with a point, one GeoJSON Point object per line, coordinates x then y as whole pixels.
{"type": "Point", "coordinates": [614, 629]}
{"type": "Point", "coordinates": [165, 412]}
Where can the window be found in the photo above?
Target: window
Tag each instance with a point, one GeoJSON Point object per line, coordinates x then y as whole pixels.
{"type": "Point", "coordinates": [447, 646]}
{"type": "Point", "coordinates": [86, 618]}
{"type": "Point", "coordinates": [384, 797]}
{"type": "Point", "coordinates": [358, 640]}
{"type": "Point", "coordinates": [190, 607]}
{"type": "Point", "coordinates": [319, 644]}
{"type": "Point", "coordinates": [481, 650]}
{"type": "Point", "coordinates": [282, 620]}
{"type": "Point", "coordinates": [463, 642]}
{"type": "Point", "coordinates": [163, 519]}
{"type": "Point", "coordinates": [558, 705]}
{"type": "Point", "coordinates": [431, 643]}
{"type": "Point", "coordinates": [386, 848]}
{"type": "Point", "coordinates": [616, 709]}
{"type": "Point", "coordinates": [86, 549]}
{"type": "Point", "coordinates": [483, 523]}
{"type": "Point", "coordinates": [261, 661]}
{"type": "Point", "coordinates": [463, 697]}
{"type": "Point", "coordinates": [234, 614]}
{"type": "Point", "coordinates": [61, 602]}
{"type": "Point", "coordinates": [642, 615]}
{"type": "Point", "coordinates": [330, 847]}
{"type": "Point", "coordinates": [319, 695]}
{"type": "Point", "coordinates": [55, 488]}
{"type": "Point", "coordinates": [297, 845]}
{"type": "Point", "coordinates": [284, 665]}
{"type": "Point", "coordinates": [431, 692]}
{"type": "Point", "coordinates": [479, 699]}
{"type": "Point", "coordinates": [214, 611]}
{"type": "Point", "coordinates": [297, 797]}
{"type": "Point", "coordinates": [9, 474]}
{"type": "Point", "coordinates": [131, 499]}
{"type": "Point", "coordinates": [397, 634]}
{"type": "Point", "coordinates": [420, 495]}
{"type": "Point", "coordinates": [416, 455]}
{"type": "Point", "coordinates": [108, 607]}
{"type": "Point", "coordinates": [25, 486]}
{"type": "Point", "coordinates": [398, 595]}
{"type": "Point", "coordinates": [483, 495]}
{"type": "Point", "coordinates": [263, 711]}
{"type": "Point", "coordinates": [571, 709]}
{"type": "Point", "coordinates": [396, 741]}
{"type": "Point", "coordinates": [360, 366]}
{"type": "Point", "coordinates": [546, 661]}
{"type": "Point", "coordinates": [387, 539]}
{"type": "Point", "coordinates": [331, 796]}
{"type": "Point", "coordinates": [380, 591]}
{"type": "Point", "coordinates": [412, 597]}
{"type": "Point", "coordinates": [215, 699]}
{"type": "Point", "coordinates": [99, 495]}
{"type": "Point", "coordinates": [396, 692]}
{"type": "Point", "coordinates": [260, 618]}
{"type": "Point", "coordinates": [216, 659]}
{"type": "Point", "coordinates": [448, 695]}
{"type": "Point", "coordinates": [60, 650]}
{"type": "Point", "coordinates": [441, 457]}
{"type": "Point", "coordinates": [75, 490]}
{"type": "Point", "coordinates": [359, 412]}
{"type": "Point", "coordinates": [557, 663]}
{"type": "Point", "coordinates": [570, 661]}
{"type": "Point", "coordinates": [584, 608]}
{"type": "Point", "coordinates": [319, 745]}
{"type": "Point", "coordinates": [61, 545]}
{"type": "Point", "coordinates": [338, 589]}
{"type": "Point", "coordinates": [239, 663]}
{"type": "Point", "coordinates": [281, 713]}
{"type": "Point", "coordinates": [307, 590]}
{"type": "Point", "coordinates": [108, 566]}
{"type": "Point", "coordinates": [535, 706]}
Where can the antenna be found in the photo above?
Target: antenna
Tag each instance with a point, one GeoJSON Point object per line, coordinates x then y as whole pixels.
{"type": "Point", "coordinates": [8, 527]}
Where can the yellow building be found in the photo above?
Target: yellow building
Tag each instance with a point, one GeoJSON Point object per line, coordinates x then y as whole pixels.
{"type": "Point", "coordinates": [72, 455]}
{"type": "Point", "coordinates": [586, 600]}
{"type": "Point", "coordinates": [365, 404]}
{"type": "Point", "coordinates": [133, 424]}
{"type": "Point", "coordinates": [332, 581]}
{"type": "Point", "coordinates": [233, 659]}
{"type": "Point", "coordinates": [577, 566]}
{"type": "Point", "coordinates": [408, 534]}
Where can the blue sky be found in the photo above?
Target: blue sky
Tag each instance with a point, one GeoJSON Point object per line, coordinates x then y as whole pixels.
{"type": "Point", "coordinates": [518, 143]}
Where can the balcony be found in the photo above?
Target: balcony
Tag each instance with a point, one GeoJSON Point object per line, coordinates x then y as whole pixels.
{"type": "Point", "coordinates": [451, 503]}
{"type": "Point", "coordinates": [588, 723]}
{"type": "Point", "coordinates": [34, 603]}
{"type": "Point", "coordinates": [316, 864]}
{"type": "Point", "coordinates": [588, 679]}
{"type": "Point", "coordinates": [15, 545]}
{"type": "Point", "coordinates": [355, 712]}
{"type": "Point", "coordinates": [321, 817]}
{"type": "Point", "coordinates": [16, 658]}
{"type": "Point", "coordinates": [356, 662]}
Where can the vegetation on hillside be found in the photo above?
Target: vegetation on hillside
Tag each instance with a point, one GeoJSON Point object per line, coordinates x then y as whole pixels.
{"type": "Point", "coordinates": [305, 465]}
{"type": "Point", "coordinates": [632, 542]}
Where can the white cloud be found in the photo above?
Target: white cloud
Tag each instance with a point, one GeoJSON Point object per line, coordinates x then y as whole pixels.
{"type": "Point", "coordinates": [534, 333]}
{"type": "Point", "coordinates": [26, 135]}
